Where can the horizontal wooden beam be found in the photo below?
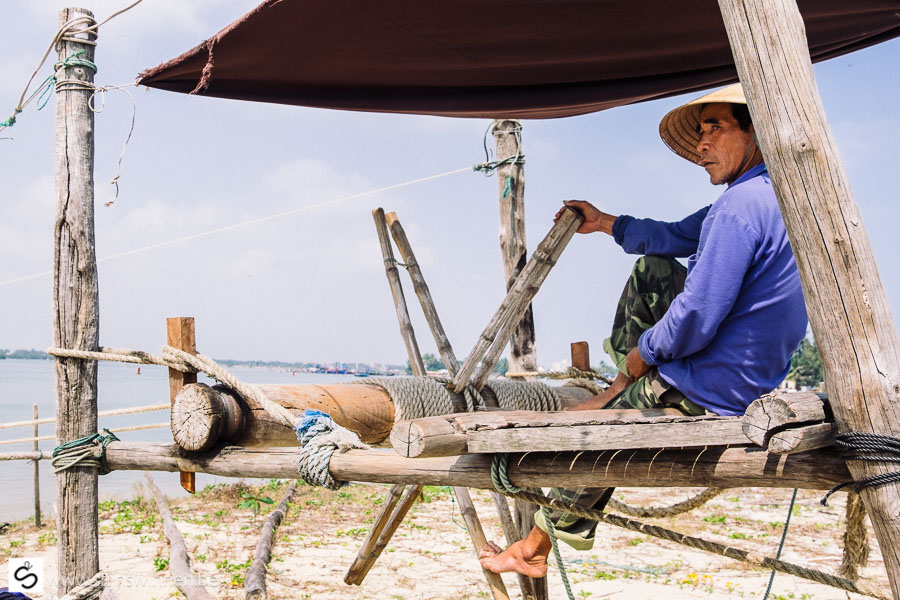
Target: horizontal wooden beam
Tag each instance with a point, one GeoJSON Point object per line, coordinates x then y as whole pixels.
{"type": "Point", "coordinates": [717, 467]}
{"type": "Point", "coordinates": [527, 431]}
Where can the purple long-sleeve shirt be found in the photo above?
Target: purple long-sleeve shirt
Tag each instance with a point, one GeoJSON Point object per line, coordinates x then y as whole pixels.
{"type": "Point", "coordinates": [729, 336]}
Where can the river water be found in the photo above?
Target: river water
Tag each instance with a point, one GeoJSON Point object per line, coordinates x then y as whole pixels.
{"type": "Point", "coordinates": [24, 383]}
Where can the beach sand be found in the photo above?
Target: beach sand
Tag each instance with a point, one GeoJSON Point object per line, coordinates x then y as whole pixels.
{"type": "Point", "coordinates": [431, 556]}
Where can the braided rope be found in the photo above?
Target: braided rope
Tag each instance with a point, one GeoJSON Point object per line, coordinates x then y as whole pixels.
{"type": "Point", "coordinates": [659, 512]}
{"type": "Point", "coordinates": [88, 451]}
{"type": "Point", "coordinates": [587, 384]}
{"type": "Point", "coordinates": [570, 373]}
{"type": "Point", "coordinates": [752, 558]}
{"type": "Point", "coordinates": [319, 437]}
{"type": "Point", "coordinates": [87, 590]}
{"type": "Point", "coordinates": [124, 356]}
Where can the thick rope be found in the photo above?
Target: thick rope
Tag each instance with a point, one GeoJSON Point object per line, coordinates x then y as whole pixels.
{"type": "Point", "coordinates": [752, 558]}
{"type": "Point", "coordinates": [88, 590]}
{"type": "Point", "coordinates": [660, 512]}
{"type": "Point", "coordinates": [122, 355]}
{"type": "Point", "coordinates": [88, 451]}
{"type": "Point", "coordinates": [570, 373]}
{"type": "Point", "coordinates": [319, 437]}
{"type": "Point", "coordinates": [856, 539]}
{"type": "Point", "coordinates": [872, 447]}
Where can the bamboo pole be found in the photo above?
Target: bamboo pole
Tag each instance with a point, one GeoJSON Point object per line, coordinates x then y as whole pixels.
{"type": "Point", "coordinates": [37, 469]}
{"type": "Point", "coordinates": [369, 552]}
{"type": "Point", "coordinates": [255, 580]}
{"type": "Point", "coordinates": [179, 563]}
{"type": "Point", "coordinates": [76, 314]}
{"type": "Point", "coordinates": [498, 331]}
{"type": "Point", "coordinates": [848, 309]}
{"type": "Point", "coordinates": [511, 184]}
{"type": "Point", "coordinates": [710, 467]}
{"type": "Point", "coordinates": [476, 533]}
{"type": "Point", "coordinates": [511, 531]}
{"type": "Point", "coordinates": [180, 334]}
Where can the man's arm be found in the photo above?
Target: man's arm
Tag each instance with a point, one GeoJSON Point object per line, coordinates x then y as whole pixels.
{"type": "Point", "coordinates": [642, 236]}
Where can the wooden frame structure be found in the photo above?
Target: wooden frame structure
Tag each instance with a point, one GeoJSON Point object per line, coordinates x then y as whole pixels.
{"type": "Point", "coordinates": [848, 308]}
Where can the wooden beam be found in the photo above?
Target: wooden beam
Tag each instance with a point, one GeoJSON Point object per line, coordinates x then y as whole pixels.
{"type": "Point", "coordinates": [498, 331]}
{"type": "Point", "coordinates": [203, 417]}
{"type": "Point", "coordinates": [513, 248]}
{"type": "Point", "coordinates": [581, 356]}
{"type": "Point", "coordinates": [801, 439]}
{"type": "Point", "coordinates": [780, 410]}
{"type": "Point", "coordinates": [709, 467]}
{"type": "Point", "coordinates": [180, 334]}
{"type": "Point", "coordinates": [527, 431]}
{"type": "Point", "coordinates": [255, 580]}
{"type": "Point", "coordinates": [179, 562]}
{"type": "Point", "coordinates": [76, 312]}
{"type": "Point", "coordinates": [372, 546]}
{"type": "Point", "coordinates": [846, 302]}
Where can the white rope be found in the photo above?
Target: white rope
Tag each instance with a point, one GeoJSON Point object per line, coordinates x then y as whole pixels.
{"type": "Point", "coordinates": [246, 223]}
{"type": "Point", "coordinates": [90, 589]}
{"type": "Point", "coordinates": [121, 355]}
{"type": "Point", "coordinates": [45, 438]}
{"type": "Point", "coordinates": [104, 413]}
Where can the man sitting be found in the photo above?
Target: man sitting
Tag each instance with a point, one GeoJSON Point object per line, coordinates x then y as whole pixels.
{"type": "Point", "coordinates": [710, 338]}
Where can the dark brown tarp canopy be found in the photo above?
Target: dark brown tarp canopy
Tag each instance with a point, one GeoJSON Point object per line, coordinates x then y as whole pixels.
{"type": "Point", "coordinates": [489, 58]}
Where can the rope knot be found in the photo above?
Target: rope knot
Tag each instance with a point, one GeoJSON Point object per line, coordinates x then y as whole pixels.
{"type": "Point", "coordinates": [88, 451]}
{"type": "Point", "coordinates": [319, 437]}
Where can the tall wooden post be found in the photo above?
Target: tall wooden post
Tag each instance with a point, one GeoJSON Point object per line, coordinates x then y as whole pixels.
{"type": "Point", "coordinates": [180, 334]}
{"type": "Point", "coordinates": [848, 309]}
{"type": "Point", "coordinates": [511, 182]}
{"type": "Point", "coordinates": [76, 314]}
{"type": "Point", "coordinates": [37, 469]}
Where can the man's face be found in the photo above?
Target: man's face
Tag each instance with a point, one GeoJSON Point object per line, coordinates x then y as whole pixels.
{"type": "Point", "coordinates": [723, 144]}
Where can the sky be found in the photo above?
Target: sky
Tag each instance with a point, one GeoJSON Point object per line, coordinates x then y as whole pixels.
{"type": "Point", "coordinates": [310, 286]}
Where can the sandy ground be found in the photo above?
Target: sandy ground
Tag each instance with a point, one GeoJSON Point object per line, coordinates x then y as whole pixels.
{"type": "Point", "coordinates": [431, 556]}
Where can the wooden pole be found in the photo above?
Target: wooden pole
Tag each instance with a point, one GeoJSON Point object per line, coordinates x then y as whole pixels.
{"type": "Point", "coordinates": [37, 469]}
{"type": "Point", "coordinates": [511, 183]}
{"type": "Point", "coordinates": [371, 548]}
{"type": "Point", "coordinates": [498, 331]}
{"type": "Point", "coordinates": [390, 269]}
{"type": "Point", "coordinates": [511, 531]}
{"type": "Point", "coordinates": [179, 562]}
{"type": "Point", "coordinates": [255, 580]}
{"type": "Point", "coordinates": [847, 306]}
{"type": "Point", "coordinates": [698, 467]}
{"type": "Point", "coordinates": [76, 313]}
{"type": "Point", "coordinates": [424, 295]}
{"type": "Point", "coordinates": [495, 582]}
{"type": "Point", "coordinates": [180, 334]}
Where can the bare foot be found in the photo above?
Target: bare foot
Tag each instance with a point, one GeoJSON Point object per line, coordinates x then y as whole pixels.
{"type": "Point", "coordinates": [527, 556]}
{"type": "Point", "coordinates": [599, 401]}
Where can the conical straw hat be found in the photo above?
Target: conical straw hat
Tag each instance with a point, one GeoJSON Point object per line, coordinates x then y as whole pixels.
{"type": "Point", "coordinates": [678, 128]}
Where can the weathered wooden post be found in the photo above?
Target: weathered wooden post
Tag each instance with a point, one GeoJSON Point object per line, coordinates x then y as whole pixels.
{"type": "Point", "coordinates": [848, 309]}
{"type": "Point", "coordinates": [76, 313]}
{"type": "Point", "coordinates": [180, 334]}
{"type": "Point", "coordinates": [511, 183]}
{"type": "Point", "coordinates": [37, 469]}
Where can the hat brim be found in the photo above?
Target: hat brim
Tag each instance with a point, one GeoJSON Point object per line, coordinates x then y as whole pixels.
{"type": "Point", "coordinates": [680, 128]}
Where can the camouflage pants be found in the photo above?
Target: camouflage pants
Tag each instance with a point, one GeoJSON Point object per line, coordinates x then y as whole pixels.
{"type": "Point", "coordinates": [651, 288]}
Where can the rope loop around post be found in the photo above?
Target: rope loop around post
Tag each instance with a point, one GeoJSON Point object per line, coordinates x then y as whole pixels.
{"type": "Point", "coordinates": [871, 447]}
{"type": "Point", "coordinates": [319, 437]}
{"type": "Point", "coordinates": [87, 590]}
{"type": "Point", "coordinates": [88, 451]}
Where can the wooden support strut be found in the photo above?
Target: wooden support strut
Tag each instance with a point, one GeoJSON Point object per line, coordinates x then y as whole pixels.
{"type": "Point", "coordinates": [498, 331]}
{"type": "Point", "coordinates": [845, 299]}
{"type": "Point", "coordinates": [511, 531]}
{"type": "Point", "coordinates": [76, 313]}
{"type": "Point", "coordinates": [473, 525]}
{"type": "Point", "coordinates": [180, 334]}
{"type": "Point", "coordinates": [699, 467]}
